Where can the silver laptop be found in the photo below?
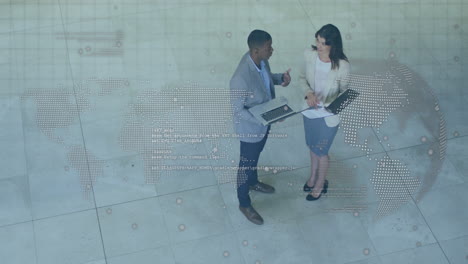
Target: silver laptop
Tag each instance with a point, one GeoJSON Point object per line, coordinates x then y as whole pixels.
{"type": "Point", "coordinates": [272, 111]}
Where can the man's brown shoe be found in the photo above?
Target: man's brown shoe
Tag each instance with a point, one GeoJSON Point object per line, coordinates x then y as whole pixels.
{"type": "Point", "coordinates": [262, 187]}
{"type": "Point", "coordinates": [252, 215]}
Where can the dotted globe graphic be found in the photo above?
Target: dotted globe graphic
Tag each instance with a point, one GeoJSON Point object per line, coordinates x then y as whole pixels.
{"type": "Point", "coordinates": [57, 115]}
{"type": "Point", "coordinates": [160, 121]}
{"type": "Point", "coordinates": [399, 106]}
{"type": "Point", "coordinates": [179, 116]}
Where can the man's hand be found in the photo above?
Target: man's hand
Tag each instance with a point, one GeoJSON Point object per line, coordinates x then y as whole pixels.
{"type": "Point", "coordinates": [286, 78]}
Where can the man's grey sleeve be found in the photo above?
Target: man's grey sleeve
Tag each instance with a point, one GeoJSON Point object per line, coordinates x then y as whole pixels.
{"type": "Point", "coordinates": [277, 78]}
{"type": "Point", "coordinates": [238, 95]}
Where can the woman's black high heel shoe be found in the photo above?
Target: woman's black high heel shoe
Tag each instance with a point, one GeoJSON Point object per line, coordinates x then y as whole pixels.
{"type": "Point", "coordinates": [307, 188]}
{"type": "Point", "coordinates": [324, 190]}
{"type": "Point", "coordinates": [325, 187]}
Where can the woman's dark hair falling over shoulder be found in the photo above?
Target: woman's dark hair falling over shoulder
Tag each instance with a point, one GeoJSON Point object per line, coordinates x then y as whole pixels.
{"type": "Point", "coordinates": [332, 37]}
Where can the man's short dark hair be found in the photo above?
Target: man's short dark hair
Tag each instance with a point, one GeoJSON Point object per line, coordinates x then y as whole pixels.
{"type": "Point", "coordinates": [257, 38]}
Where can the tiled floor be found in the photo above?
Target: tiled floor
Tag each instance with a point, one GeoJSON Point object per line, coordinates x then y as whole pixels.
{"type": "Point", "coordinates": [89, 88]}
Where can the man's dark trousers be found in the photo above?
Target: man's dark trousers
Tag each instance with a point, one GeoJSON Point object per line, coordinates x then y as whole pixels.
{"type": "Point", "coordinates": [247, 172]}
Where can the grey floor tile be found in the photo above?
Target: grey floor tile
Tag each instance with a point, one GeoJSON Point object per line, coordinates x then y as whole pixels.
{"type": "Point", "coordinates": [441, 209]}
{"type": "Point", "coordinates": [13, 161]}
{"type": "Point", "coordinates": [403, 229]}
{"type": "Point", "coordinates": [456, 250]}
{"type": "Point", "coordinates": [47, 66]}
{"type": "Point", "coordinates": [406, 129]}
{"type": "Point", "coordinates": [51, 132]}
{"type": "Point", "coordinates": [123, 180]}
{"type": "Point", "coordinates": [101, 261]}
{"type": "Point", "coordinates": [453, 105]}
{"type": "Point", "coordinates": [71, 9]}
{"type": "Point", "coordinates": [50, 118]}
{"type": "Point", "coordinates": [456, 154]}
{"type": "Point", "coordinates": [56, 156]}
{"type": "Point", "coordinates": [15, 201]}
{"type": "Point", "coordinates": [429, 166]}
{"type": "Point", "coordinates": [351, 186]}
{"type": "Point", "coordinates": [11, 86]}
{"type": "Point", "coordinates": [68, 194]}
{"type": "Point", "coordinates": [188, 168]}
{"type": "Point", "coordinates": [103, 138]}
{"type": "Point", "coordinates": [21, 22]}
{"type": "Point", "coordinates": [159, 255]}
{"type": "Point", "coordinates": [173, 181]}
{"type": "Point", "coordinates": [72, 238]}
{"type": "Point", "coordinates": [195, 214]}
{"type": "Point", "coordinates": [374, 260]}
{"type": "Point", "coordinates": [101, 55]}
{"type": "Point", "coordinates": [275, 243]}
{"type": "Point", "coordinates": [18, 244]}
{"type": "Point", "coordinates": [388, 180]}
{"type": "Point", "coordinates": [133, 226]}
{"type": "Point", "coordinates": [336, 237]}
{"type": "Point", "coordinates": [43, 154]}
{"type": "Point", "coordinates": [351, 143]}
{"type": "Point", "coordinates": [109, 101]}
{"type": "Point", "coordinates": [427, 254]}
{"type": "Point", "coordinates": [214, 249]}
{"type": "Point", "coordinates": [449, 175]}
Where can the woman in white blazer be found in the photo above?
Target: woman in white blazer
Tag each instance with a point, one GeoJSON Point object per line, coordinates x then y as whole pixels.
{"type": "Point", "coordinates": [323, 78]}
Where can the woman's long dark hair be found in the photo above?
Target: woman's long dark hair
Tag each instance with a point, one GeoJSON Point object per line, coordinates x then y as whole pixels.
{"type": "Point", "coordinates": [332, 37]}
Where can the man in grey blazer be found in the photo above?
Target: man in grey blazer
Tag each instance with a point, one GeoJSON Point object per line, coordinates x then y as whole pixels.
{"type": "Point", "coordinates": [253, 84]}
